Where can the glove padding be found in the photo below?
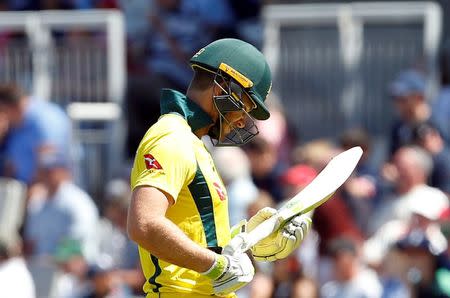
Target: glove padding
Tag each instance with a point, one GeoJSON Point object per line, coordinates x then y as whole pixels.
{"type": "Point", "coordinates": [283, 241]}
{"type": "Point", "coordinates": [232, 269]}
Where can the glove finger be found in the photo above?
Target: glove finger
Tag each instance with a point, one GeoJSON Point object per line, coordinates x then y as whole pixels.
{"type": "Point", "coordinates": [301, 226]}
{"type": "Point", "coordinates": [265, 213]}
{"type": "Point", "coordinates": [292, 235]}
{"type": "Point", "coordinates": [260, 216]}
{"type": "Point", "coordinates": [301, 219]}
{"type": "Point", "coordinates": [236, 245]}
{"type": "Point", "coordinates": [290, 243]}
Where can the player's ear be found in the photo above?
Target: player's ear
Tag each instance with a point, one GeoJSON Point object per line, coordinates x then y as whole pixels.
{"type": "Point", "coordinates": [218, 90]}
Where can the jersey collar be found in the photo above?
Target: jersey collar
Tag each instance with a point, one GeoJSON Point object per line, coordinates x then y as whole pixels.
{"type": "Point", "coordinates": [173, 101]}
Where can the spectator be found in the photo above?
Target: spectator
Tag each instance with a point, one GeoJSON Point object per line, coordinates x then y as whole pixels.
{"type": "Point", "coordinates": [316, 153]}
{"type": "Point", "coordinates": [234, 168]}
{"type": "Point", "coordinates": [351, 277]}
{"type": "Point", "coordinates": [429, 138]}
{"type": "Point", "coordinates": [424, 214]}
{"type": "Point", "coordinates": [175, 35]}
{"type": "Point", "coordinates": [34, 126]}
{"type": "Point", "coordinates": [394, 284]}
{"type": "Point", "coordinates": [4, 127]}
{"type": "Point", "coordinates": [290, 280]}
{"type": "Point", "coordinates": [117, 271]}
{"type": "Point", "coordinates": [265, 167]}
{"type": "Point", "coordinates": [441, 104]}
{"type": "Point", "coordinates": [362, 189]}
{"type": "Point", "coordinates": [419, 264]}
{"type": "Point", "coordinates": [277, 130]}
{"type": "Point", "coordinates": [413, 166]}
{"type": "Point", "coordinates": [260, 287]}
{"type": "Point", "coordinates": [408, 93]}
{"type": "Point", "coordinates": [296, 178]}
{"type": "Point", "coordinates": [71, 267]}
{"type": "Point", "coordinates": [66, 213]}
{"type": "Point", "coordinates": [15, 278]}
{"type": "Point", "coordinates": [443, 263]}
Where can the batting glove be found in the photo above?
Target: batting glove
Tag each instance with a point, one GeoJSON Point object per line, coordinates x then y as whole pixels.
{"type": "Point", "coordinates": [231, 270]}
{"type": "Point", "coordinates": [283, 241]}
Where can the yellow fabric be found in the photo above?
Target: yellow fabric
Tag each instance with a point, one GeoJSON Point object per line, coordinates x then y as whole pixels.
{"type": "Point", "coordinates": [179, 295]}
{"type": "Point", "coordinates": [180, 155]}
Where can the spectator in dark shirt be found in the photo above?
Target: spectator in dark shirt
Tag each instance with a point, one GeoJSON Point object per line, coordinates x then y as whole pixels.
{"type": "Point", "coordinates": [441, 104]}
{"type": "Point", "coordinates": [265, 167]}
{"type": "Point", "coordinates": [429, 138]}
{"type": "Point", "coordinates": [361, 192]}
{"type": "Point", "coordinates": [408, 94]}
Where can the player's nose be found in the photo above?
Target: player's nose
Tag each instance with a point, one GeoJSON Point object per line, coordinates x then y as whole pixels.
{"type": "Point", "coordinates": [240, 123]}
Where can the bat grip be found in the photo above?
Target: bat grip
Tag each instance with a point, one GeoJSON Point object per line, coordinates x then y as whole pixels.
{"type": "Point", "coordinates": [260, 232]}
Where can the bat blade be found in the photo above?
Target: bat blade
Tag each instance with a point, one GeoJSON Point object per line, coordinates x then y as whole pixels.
{"type": "Point", "coordinates": [322, 188]}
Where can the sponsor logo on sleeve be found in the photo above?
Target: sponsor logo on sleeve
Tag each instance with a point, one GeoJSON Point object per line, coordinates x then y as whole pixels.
{"type": "Point", "coordinates": [151, 162]}
{"type": "Point", "coordinates": [220, 192]}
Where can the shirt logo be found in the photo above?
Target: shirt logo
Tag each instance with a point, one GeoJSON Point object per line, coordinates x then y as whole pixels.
{"type": "Point", "coordinates": [151, 162]}
{"type": "Point", "coordinates": [220, 192]}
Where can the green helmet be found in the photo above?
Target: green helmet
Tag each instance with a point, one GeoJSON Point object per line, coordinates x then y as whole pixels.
{"type": "Point", "coordinates": [244, 63]}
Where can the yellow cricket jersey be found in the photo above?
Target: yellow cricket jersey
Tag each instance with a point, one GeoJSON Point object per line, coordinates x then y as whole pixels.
{"type": "Point", "coordinates": [171, 158]}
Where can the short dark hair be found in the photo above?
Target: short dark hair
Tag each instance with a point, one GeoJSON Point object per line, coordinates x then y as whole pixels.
{"type": "Point", "coordinates": [10, 94]}
{"type": "Point", "coordinates": [202, 80]}
{"type": "Point", "coordinates": [355, 137]}
{"type": "Point", "coordinates": [340, 245]}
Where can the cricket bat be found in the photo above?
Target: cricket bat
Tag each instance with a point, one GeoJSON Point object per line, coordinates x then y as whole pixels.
{"type": "Point", "coordinates": [337, 171]}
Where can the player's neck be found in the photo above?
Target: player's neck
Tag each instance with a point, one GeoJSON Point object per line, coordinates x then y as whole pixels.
{"type": "Point", "coordinates": [203, 98]}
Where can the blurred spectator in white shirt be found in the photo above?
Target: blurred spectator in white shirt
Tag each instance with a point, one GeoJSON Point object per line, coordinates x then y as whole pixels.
{"type": "Point", "coordinates": [352, 279]}
{"type": "Point", "coordinates": [412, 166]}
{"type": "Point", "coordinates": [15, 278]}
{"type": "Point", "coordinates": [66, 213]}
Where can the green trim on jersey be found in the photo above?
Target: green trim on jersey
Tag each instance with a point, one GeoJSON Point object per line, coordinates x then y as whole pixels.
{"type": "Point", "coordinates": [173, 101]}
{"type": "Point", "coordinates": [180, 154]}
{"type": "Point", "coordinates": [152, 279]}
{"type": "Point", "coordinates": [203, 200]}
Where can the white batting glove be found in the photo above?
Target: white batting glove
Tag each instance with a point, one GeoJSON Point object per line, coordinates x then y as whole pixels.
{"type": "Point", "coordinates": [231, 270]}
{"type": "Point", "coordinates": [283, 241]}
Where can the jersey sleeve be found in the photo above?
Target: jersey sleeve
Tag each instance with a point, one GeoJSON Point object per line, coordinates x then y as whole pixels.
{"type": "Point", "coordinates": [167, 164]}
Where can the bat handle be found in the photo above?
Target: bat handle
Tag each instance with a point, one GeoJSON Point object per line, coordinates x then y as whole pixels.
{"type": "Point", "coordinates": [260, 232]}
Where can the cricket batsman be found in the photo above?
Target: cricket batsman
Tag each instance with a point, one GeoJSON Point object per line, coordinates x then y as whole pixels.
{"type": "Point", "coordinates": [179, 211]}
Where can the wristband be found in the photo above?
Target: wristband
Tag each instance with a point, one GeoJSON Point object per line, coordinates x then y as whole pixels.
{"type": "Point", "coordinates": [218, 268]}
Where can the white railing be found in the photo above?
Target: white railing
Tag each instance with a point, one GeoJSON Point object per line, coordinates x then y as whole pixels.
{"type": "Point", "coordinates": [333, 61]}
{"type": "Point", "coordinates": [76, 59]}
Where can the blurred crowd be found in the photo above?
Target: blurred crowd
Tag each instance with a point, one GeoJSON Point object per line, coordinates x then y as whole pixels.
{"type": "Point", "coordinates": [384, 234]}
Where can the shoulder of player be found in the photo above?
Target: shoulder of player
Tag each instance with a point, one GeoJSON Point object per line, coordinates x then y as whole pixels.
{"type": "Point", "coordinates": [171, 125]}
{"type": "Point", "coordinates": [171, 136]}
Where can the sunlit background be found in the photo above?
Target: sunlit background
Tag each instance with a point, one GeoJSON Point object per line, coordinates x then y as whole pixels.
{"type": "Point", "coordinates": [369, 74]}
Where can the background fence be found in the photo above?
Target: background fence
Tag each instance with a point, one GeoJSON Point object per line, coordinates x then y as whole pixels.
{"type": "Point", "coordinates": [77, 59]}
{"type": "Point", "coordinates": [332, 63]}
